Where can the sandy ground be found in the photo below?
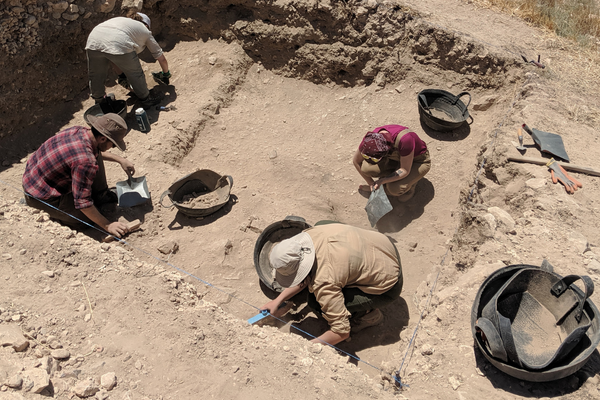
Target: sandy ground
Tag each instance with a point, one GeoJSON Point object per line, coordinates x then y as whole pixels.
{"type": "Point", "coordinates": [172, 326]}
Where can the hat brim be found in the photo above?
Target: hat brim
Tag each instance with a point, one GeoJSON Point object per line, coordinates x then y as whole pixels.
{"type": "Point", "coordinates": [119, 143]}
{"type": "Point", "coordinates": [305, 265]}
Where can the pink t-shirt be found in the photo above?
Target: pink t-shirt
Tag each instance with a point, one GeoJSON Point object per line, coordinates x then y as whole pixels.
{"type": "Point", "coordinates": [409, 142]}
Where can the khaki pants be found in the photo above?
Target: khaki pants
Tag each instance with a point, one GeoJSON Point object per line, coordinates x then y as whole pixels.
{"type": "Point", "coordinates": [98, 63]}
{"type": "Point", "coordinates": [66, 204]}
{"type": "Point", "coordinates": [420, 167]}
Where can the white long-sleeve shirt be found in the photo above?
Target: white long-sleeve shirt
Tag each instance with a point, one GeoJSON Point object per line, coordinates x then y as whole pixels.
{"type": "Point", "coordinates": [121, 35]}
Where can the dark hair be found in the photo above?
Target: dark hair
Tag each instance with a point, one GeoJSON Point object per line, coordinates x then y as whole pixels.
{"type": "Point", "coordinates": [96, 132]}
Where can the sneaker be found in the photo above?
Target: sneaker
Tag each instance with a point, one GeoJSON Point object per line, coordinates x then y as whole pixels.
{"type": "Point", "coordinates": [150, 101]}
{"type": "Point", "coordinates": [372, 318]}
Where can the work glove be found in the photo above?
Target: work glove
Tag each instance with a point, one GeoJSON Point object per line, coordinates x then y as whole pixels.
{"type": "Point", "coordinates": [559, 174]}
{"type": "Point", "coordinates": [162, 77]}
{"type": "Point", "coordinates": [122, 80]}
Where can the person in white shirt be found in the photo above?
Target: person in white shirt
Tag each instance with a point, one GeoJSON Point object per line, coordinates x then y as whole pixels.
{"type": "Point", "coordinates": [119, 41]}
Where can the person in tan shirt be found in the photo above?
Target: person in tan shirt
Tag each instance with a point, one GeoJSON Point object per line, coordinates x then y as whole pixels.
{"type": "Point", "coordinates": [350, 272]}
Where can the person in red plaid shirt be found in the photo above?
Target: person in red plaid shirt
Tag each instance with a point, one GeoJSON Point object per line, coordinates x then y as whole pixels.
{"type": "Point", "coordinates": [67, 173]}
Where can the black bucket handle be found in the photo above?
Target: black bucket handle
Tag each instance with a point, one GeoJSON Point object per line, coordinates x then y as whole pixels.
{"type": "Point", "coordinates": [561, 286]}
{"type": "Point", "coordinates": [162, 196]}
{"type": "Point", "coordinates": [461, 95]}
{"type": "Point", "coordinates": [424, 105]}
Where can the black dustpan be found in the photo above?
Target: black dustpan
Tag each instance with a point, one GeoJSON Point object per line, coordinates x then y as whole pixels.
{"type": "Point", "coordinates": [548, 142]}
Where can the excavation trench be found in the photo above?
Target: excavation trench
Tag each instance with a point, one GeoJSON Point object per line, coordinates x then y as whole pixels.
{"type": "Point", "coordinates": [277, 95]}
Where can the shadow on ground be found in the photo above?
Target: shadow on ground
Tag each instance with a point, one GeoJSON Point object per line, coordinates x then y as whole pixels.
{"type": "Point", "coordinates": [181, 220]}
{"type": "Point", "coordinates": [404, 213]}
{"type": "Point", "coordinates": [559, 387]}
{"type": "Point", "coordinates": [459, 133]}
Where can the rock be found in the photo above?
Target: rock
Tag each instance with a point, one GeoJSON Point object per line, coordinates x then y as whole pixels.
{"type": "Point", "coordinates": [48, 364]}
{"type": "Point", "coordinates": [505, 223]}
{"type": "Point", "coordinates": [593, 267]}
{"type": "Point", "coordinates": [484, 103]}
{"type": "Point", "coordinates": [132, 4]}
{"type": "Point", "coordinates": [10, 335]}
{"type": "Point", "coordinates": [400, 88]}
{"type": "Point", "coordinates": [169, 248]}
{"type": "Point", "coordinates": [102, 395]}
{"type": "Point", "coordinates": [454, 382]}
{"type": "Point", "coordinates": [60, 354]}
{"type": "Point", "coordinates": [7, 256]}
{"type": "Point", "coordinates": [87, 317]}
{"type": "Point", "coordinates": [487, 225]}
{"type": "Point", "coordinates": [85, 388]}
{"type": "Point", "coordinates": [60, 6]}
{"type": "Point", "coordinates": [69, 17]}
{"type": "Point", "coordinates": [20, 346]}
{"type": "Point", "coordinates": [16, 318]}
{"type": "Point", "coordinates": [108, 381]}
{"type": "Point", "coordinates": [15, 382]}
{"type": "Point", "coordinates": [49, 274]}
{"type": "Point", "coordinates": [37, 378]}
{"type": "Point", "coordinates": [212, 60]}
{"type": "Point", "coordinates": [579, 241]}
{"type": "Point", "coordinates": [536, 183]}
{"type": "Point", "coordinates": [105, 6]}
{"type": "Point", "coordinates": [273, 155]}
{"type": "Point", "coordinates": [427, 349]}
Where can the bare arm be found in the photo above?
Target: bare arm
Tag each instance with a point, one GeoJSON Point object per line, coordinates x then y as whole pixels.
{"type": "Point", "coordinates": [163, 63]}
{"type": "Point", "coordinates": [287, 293]}
{"type": "Point", "coordinates": [114, 228]}
{"type": "Point", "coordinates": [357, 160]}
{"type": "Point", "coordinates": [405, 166]}
{"type": "Point", "coordinates": [127, 165]}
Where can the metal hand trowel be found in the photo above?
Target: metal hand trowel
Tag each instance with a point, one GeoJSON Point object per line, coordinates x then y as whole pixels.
{"type": "Point", "coordinates": [378, 205]}
{"type": "Point", "coordinates": [133, 191]}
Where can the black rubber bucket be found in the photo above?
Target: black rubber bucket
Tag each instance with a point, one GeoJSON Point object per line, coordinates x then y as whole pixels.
{"type": "Point", "coordinates": [201, 182]}
{"type": "Point", "coordinates": [576, 358]}
{"type": "Point", "coordinates": [273, 234]}
{"type": "Point", "coordinates": [442, 111]}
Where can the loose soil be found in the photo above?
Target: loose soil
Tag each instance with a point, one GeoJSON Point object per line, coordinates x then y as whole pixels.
{"type": "Point", "coordinates": [281, 106]}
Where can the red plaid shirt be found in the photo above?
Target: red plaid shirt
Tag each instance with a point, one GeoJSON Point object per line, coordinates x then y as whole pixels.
{"type": "Point", "coordinates": [64, 163]}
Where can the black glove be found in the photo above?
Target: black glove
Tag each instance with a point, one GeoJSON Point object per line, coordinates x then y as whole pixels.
{"type": "Point", "coordinates": [162, 77]}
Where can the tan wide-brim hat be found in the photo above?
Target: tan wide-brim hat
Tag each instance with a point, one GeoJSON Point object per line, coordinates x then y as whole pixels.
{"type": "Point", "coordinates": [112, 126]}
{"type": "Point", "coordinates": [293, 259]}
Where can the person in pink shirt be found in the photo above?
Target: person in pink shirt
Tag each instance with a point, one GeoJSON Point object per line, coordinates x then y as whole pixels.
{"type": "Point", "coordinates": [394, 155]}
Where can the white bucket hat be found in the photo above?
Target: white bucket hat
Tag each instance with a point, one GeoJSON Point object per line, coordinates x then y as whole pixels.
{"type": "Point", "coordinates": [145, 19]}
{"type": "Point", "coordinates": [293, 259]}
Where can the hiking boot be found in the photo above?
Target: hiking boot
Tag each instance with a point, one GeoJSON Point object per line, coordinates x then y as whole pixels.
{"type": "Point", "coordinates": [372, 318]}
{"type": "Point", "coordinates": [105, 197]}
{"type": "Point", "coordinates": [150, 101]}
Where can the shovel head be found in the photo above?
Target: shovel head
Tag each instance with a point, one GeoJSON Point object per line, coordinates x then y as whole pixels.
{"type": "Point", "coordinates": [132, 192]}
{"type": "Point", "coordinates": [377, 206]}
{"type": "Point", "coordinates": [550, 143]}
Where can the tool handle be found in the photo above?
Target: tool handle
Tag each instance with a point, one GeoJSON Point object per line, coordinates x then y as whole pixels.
{"type": "Point", "coordinates": [131, 226]}
{"type": "Point", "coordinates": [527, 129]}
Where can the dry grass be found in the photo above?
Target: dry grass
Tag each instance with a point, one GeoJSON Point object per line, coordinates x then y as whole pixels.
{"type": "Point", "coordinates": [578, 20]}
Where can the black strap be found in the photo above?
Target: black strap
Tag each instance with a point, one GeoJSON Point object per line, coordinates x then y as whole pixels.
{"type": "Point", "coordinates": [561, 287]}
{"type": "Point", "coordinates": [491, 338]}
